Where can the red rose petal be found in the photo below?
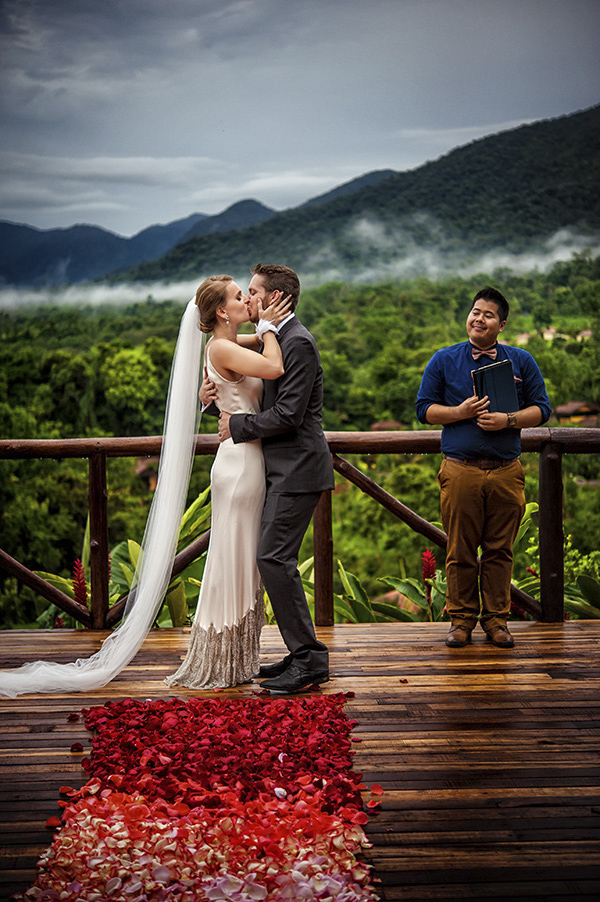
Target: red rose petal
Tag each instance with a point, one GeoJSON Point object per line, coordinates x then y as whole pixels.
{"type": "Point", "coordinates": [360, 818]}
{"type": "Point", "coordinates": [171, 777]}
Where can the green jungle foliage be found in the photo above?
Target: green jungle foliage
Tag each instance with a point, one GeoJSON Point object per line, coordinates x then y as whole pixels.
{"type": "Point", "coordinates": [93, 371]}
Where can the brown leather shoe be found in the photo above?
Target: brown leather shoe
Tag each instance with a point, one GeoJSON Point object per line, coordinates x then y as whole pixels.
{"type": "Point", "coordinates": [500, 637]}
{"type": "Point", "coordinates": [458, 637]}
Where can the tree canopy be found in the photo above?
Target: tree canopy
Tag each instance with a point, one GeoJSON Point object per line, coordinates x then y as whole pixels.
{"type": "Point", "coordinates": [84, 371]}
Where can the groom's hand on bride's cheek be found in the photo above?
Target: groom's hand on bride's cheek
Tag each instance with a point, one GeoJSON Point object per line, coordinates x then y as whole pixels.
{"type": "Point", "coordinates": [224, 432]}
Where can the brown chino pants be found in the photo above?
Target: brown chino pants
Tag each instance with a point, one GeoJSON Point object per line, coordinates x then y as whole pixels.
{"type": "Point", "coordinates": [480, 508]}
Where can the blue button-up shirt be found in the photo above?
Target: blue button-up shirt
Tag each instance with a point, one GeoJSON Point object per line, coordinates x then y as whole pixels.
{"type": "Point", "coordinates": [447, 380]}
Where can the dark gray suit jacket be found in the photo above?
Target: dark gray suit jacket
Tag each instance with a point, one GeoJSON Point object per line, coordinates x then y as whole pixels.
{"type": "Point", "coordinates": [297, 457]}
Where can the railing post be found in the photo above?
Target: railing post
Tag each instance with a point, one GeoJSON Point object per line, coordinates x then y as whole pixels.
{"type": "Point", "coordinates": [98, 508]}
{"type": "Point", "coordinates": [323, 550]}
{"type": "Point", "coordinates": [552, 577]}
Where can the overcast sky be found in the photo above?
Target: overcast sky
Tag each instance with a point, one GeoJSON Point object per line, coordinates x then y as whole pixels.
{"type": "Point", "coordinates": [124, 113]}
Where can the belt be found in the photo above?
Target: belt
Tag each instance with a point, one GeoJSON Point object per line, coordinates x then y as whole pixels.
{"type": "Point", "coordinates": [482, 462]}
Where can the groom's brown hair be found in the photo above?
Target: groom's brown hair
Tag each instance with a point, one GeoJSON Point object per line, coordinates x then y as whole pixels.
{"type": "Point", "coordinates": [279, 278]}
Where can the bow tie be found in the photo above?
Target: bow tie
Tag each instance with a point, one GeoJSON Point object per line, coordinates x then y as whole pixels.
{"type": "Point", "coordinates": [477, 353]}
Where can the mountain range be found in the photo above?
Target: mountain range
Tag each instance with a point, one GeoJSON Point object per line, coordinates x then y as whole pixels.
{"type": "Point", "coordinates": [512, 192]}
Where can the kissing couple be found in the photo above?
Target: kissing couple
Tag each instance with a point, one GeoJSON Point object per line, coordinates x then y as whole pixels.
{"type": "Point", "coordinates": [272, 465]}
{"type": "Point", "coordinates": [270, 470]}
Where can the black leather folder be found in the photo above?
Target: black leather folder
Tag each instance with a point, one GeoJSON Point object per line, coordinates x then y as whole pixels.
{"type": "Point", "coordinates": [497, 381]}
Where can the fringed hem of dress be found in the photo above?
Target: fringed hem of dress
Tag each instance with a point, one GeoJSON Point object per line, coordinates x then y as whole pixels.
{"type": "Point", "coordinates": [217, 659]}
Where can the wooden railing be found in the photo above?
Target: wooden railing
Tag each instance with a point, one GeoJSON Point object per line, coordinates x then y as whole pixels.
{"type": "Point", "coordinates": [549, 443]}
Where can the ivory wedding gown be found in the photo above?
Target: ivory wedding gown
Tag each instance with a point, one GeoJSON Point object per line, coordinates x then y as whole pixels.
{"type": "Point", "coordinates": [225, 636]}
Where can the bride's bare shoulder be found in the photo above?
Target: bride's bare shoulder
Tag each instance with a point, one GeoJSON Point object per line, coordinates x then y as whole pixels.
{"type": "Point", "coordinates": [219, 347]}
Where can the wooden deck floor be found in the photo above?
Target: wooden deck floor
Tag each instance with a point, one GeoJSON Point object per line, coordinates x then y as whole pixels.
{"type": "Point", "coordinates": [490, 759]}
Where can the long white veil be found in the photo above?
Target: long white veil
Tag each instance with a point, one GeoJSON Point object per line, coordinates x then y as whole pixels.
{"type": "Point", "coordinates": [159, 544]}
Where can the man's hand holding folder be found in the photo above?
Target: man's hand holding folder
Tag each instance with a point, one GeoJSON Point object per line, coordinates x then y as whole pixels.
{"type": "Point", "coordinates": [496, 382]}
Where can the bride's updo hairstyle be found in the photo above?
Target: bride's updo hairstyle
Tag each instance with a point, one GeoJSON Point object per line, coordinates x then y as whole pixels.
{"type": "Point", "coordinates": [211, 295]}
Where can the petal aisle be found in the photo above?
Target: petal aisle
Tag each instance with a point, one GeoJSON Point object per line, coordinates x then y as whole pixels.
{"type": "Point", "coordinates": [212, 799]}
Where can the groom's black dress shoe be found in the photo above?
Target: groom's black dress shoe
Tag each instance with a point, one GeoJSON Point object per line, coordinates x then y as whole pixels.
{"type": "Point", "coordinates": [275, 670]}
{"type": "Point", "coordinates": [295, 679]}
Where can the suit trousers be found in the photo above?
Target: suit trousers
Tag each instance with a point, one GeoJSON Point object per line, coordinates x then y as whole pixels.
{"type": "Point", "coordinates": [480, 509]}
{"type": "Point", "coordinates": [286, 517]}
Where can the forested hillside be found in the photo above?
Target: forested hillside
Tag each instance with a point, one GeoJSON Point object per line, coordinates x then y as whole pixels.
{"type": "Point", "coordinates": [31, 256]}
{"type": "Point", "coordinates": [524, 190]}
{"type": "Point", "coordinates": [512, 191]}
{"type": "Point", "coordinates": [69, 371]}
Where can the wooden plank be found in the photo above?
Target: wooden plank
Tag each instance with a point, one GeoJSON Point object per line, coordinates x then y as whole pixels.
{"type": "Point", "coordinates": [489, 759]}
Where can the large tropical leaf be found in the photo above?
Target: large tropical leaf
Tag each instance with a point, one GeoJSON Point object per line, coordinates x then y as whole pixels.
{"type": "Point", "coordinates": [195, 570]}
{"type": "Point", "coordinates": [59, 582]}
{"type": "Point", "coordinates": [134, 549]}
{"type": "Point", "coordinates": [363, 610]}
{"type": "Point", "coordinates": [305, 566]}
{"type": "Point", "coordinates": [85, 548]}
{"type": "Point", "coordinates": [438, 600]}
{"type": "Point", "coordinates": [590, 589]}
{"type": "Point", "coordinates": [528, 523]}
{"type": "Point", "coordinates": [126, 574]}
{"type": "Point", "coordinates": [177, 605]}
{"type": "Point", "coordinates": [343, 610]}
{"type": "Point", "coordinates": [531, 585]}
{"type": "Point", "coordinates": [195, 520]}
{"type": "Point", "coordinates": [410, 587]}
{"type": "Point", "coordinates": [391, 612]}
{"type": "Point", "coordinates": [582, 609]}
{"type": "Point", "coordinates": [352, 585]}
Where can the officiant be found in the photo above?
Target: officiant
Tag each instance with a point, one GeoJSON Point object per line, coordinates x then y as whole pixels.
{"type": "Point", "coordinates": [482, 484]}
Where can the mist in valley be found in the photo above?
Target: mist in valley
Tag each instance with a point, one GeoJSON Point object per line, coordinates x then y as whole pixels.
{"type": "Point", "coordinates": [415, 248]}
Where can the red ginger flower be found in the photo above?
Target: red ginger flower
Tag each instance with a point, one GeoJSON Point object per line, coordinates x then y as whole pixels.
{"type": "Point", "coordinates": [428, 564]}
{"type": "Point", "coordinates": [79, 584]}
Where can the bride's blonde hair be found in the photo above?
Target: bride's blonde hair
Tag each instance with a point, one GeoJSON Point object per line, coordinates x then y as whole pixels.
{"type": "Point", "coordinates": [211, 295]}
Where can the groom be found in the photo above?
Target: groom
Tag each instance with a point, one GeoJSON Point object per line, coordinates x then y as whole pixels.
{"type": "Point", "coordinates": [298, 469]}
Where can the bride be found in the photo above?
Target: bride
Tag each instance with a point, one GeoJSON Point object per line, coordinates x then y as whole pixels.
{"type": "Point", "coordinates": [227, 619]}
{"type": "Point", "coordinates": [225, 637]}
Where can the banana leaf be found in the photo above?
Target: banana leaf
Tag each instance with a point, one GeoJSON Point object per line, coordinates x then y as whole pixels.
{"type": "Point", "coordinates": [409, 587]}
{"type": "Point", "coordinates": [59, 582]}
{"type": "Point", "coordinates": [352, 585]}
{"type": "Point", "coordinates": [590, 589]}
{"type": "Point", "coordinates": [195, 520]}
{"type": "Point", "coordinates": [391, 612]}
{"type": "Point", "coordinates": [528, 523]}
{"type": "Point", "coordinates": [582, 609]}
{"type": "Point", "coordinates": [363, 610]}
{"type": "Point", "coordinates": [177, 605]}
{"type": "Point", "coordinates": [343, 610]}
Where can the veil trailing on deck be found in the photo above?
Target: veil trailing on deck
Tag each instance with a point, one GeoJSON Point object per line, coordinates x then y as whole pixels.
{"type": "Point", "coordinates": [159, 544]}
